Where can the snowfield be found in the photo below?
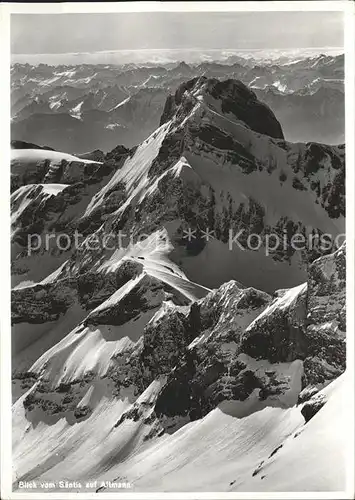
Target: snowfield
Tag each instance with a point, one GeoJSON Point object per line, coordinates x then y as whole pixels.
{"type": "Point", "coordinates": [256, 452]}
{"type": "Point", "coordinates": [34, 155]}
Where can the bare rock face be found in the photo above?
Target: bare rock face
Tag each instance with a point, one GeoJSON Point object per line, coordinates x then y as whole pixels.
{"type": "Point", "coordinates": [165, 341]}
{"type": "Point", "coordinates": [41, 303]}
{"type": "Point", "coordinates": [96, 155]}
{"type": "Point", "coordinates": [39, 207]}
{"type": "Point", "coordinates": [211, 370]}
{"type": "Point", "coordinates": [312, 407]}
{"type": "Point", "coordinates": [306, 323]}
{"type": "Point", "coordinates": [278, 334]}
{"type": "Point", "coordinates": [95, 287]}
{"type": "Point", "coordinates": [32, 164]}
{"type": "Point", "coordinates": [326, 318]}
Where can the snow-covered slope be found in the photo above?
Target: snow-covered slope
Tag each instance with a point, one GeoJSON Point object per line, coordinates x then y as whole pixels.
{"type": "Point", "coordinates": [160, 387]}
{"type": "Point", "coordinates": [169, 358]}
{"type": "Point", "coordinates": [40, 164]}
{"type": "Point", "coordinates": [316, 453]}
{"type": "Point", "coordinates": [229, 447]}
{"type": "Point", "coordinates": [31, 155]}
{"type": "Point", "coordinates": [50, 190]}
{"type": "Point", "coordinates": [103, 393]}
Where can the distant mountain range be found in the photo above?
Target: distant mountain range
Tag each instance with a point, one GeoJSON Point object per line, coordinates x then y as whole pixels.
{"type": "Point", "coordinates": [192, 55]}
{"type": "Point", "coordinates": [85, 107]}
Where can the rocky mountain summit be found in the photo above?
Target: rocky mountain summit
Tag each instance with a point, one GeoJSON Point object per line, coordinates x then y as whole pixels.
{"type": "Point", "coordinates": [168, 350]}
{"type": "Point", "coordinates": [206, 168]}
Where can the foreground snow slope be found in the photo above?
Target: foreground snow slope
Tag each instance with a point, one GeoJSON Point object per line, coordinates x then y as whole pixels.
{"type": "Point", "coordinates": [250, 453]}
{"type": "Point", "coordinates": [316, 454]}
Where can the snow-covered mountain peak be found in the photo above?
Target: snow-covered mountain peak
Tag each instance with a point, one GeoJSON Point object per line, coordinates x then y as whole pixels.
{"type": "Point", "coordinates": [209, 167]}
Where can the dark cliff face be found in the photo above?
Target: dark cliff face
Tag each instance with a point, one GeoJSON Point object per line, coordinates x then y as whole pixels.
{"type": "Point", "coordinates": [243, 103]}
{"type": "Point", "coordinates": [235, 98]}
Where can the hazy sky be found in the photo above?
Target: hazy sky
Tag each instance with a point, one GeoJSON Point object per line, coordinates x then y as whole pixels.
{"type": "Point", "coordinates": [60, 33]}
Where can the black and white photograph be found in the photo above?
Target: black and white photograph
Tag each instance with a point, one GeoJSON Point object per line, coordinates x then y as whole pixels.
{"type": "Point", "coordinates": [178, 180]}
